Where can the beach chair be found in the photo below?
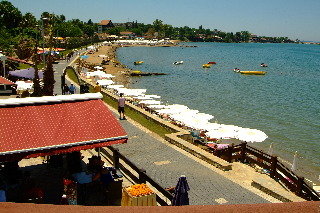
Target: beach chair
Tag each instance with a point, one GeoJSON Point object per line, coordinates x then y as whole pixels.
{"type": "Point", "coordinates": [196, 136]}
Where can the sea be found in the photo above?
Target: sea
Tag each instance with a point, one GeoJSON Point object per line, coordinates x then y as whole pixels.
{"type": "Point", "coordinates": [284, 103]}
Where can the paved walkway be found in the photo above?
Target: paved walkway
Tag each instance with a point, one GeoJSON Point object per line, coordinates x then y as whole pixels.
{"type": "Point", "coordinates": [165, 164]}
{"type": "Point", "coordinates": [58, 70]}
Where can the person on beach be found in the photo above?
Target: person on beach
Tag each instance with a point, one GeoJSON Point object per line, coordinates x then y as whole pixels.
{"type": "Point", "coordinates": [121, 103]}
{"type": "Point", "coordinates": [72, 89]}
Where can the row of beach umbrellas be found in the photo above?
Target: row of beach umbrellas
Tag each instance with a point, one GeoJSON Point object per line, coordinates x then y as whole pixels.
{"type": "Point", "coordinates": [190, 118]}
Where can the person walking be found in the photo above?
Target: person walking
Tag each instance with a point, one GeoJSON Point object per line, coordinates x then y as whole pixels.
{"type": "Point", "coordinates": [65, 89]}
{"type": "Point", "coordinates": [121, 104]}
{"type": "Point", "coordinates": [72, 89]}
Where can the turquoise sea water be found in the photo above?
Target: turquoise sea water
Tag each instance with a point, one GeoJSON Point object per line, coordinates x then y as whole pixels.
{"type": "Point", "coordinates": [285, 103]}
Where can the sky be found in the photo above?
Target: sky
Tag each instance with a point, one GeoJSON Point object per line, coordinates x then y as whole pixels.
{"type": "Point", "coordinates": [296, 19]}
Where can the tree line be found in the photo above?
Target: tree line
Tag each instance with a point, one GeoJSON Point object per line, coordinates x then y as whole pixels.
{"type": "Point", "coordinates": [20, 31]}
{"type": "Point", "coordinates": [158, 29]}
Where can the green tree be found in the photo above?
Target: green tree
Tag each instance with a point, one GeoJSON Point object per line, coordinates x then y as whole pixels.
{"type": "Point", "coordinates": [28, 20]}
{"type": "Point", "coordinates": [24, 48]}
{"type": "Point", "coordinates": [10, 16]}
{"type": "Point", "coordinates": [37, 90]}
{"type": "Point", "coordinates": [90, 22]}
{"type": "Point", "coordinates": [245, 35]}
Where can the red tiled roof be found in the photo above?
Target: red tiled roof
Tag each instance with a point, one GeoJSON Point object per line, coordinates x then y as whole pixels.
{"type": "Point", "coordinates": [19, 60]}
{"type": "Point", "coordinates": [5, 81]}
{"type": "Point", "coordinates": [40, 129]}
{"type": "Point", "coordinates": [105, 22]}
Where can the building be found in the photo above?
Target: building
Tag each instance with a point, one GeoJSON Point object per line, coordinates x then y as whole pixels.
{"type": "Point", "coordinates": [104, 25]}
{"type": "Point", "coordinates": [6, 86]}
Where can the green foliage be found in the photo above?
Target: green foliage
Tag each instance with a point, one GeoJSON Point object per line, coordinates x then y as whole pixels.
{"type": "Point", "coordinates": [10, 16]}
{"type": "Point", "coordinates": [72, 75]}
{"type": "Point", "coordinates": [24, 48]}
{"type": "Point", "coordinates": [115, 30]}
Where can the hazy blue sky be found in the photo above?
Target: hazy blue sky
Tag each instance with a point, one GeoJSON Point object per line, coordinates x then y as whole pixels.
{"type": "Point", "coordinates": [292, 18]}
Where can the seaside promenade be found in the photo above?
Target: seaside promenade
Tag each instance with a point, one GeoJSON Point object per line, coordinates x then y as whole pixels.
{"type": "Point", "coordinates": [165, 163]}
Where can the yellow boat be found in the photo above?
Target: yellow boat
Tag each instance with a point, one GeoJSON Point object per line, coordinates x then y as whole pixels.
{"type": "Point", "coordinates": [136, 71]}
{"type": "Point", "coordinates": [138, 62]}
{"type": "Point", "coordinates": [206, 65]}
{"type": "Point", "coordinates": [253, 72]}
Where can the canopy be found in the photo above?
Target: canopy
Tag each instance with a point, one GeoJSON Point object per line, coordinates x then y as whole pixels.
{"type": "Point", "coordinates": [31, 127]}
{"type": "Point", "coordinates": [24, 85]}
{"type": "Point", "coordinates": [251, 135]}
{"type": "Point", "coordinates": [150, 102]}
{"type": "Point", "coordinates": [6, 81]}
{"type": "Point", "coordinates": [25, 73]}
{"type": "Point", "coordinates": [105, 82]}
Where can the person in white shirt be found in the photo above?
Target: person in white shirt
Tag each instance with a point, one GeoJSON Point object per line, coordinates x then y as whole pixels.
{"type": "Point", "coordinates": [121, 104]}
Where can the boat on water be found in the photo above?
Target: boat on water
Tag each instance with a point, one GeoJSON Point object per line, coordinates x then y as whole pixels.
{"type": "Point", "coordinates": [206, 65]}
{"type": "Point", "coordinates": [178, 62]}
{"type": "Point", "coordinates": [212, 62]}
{"type": "Point", "coordinates": [138, 62]}
{"type": "Point", "coordinates": [253, 72]}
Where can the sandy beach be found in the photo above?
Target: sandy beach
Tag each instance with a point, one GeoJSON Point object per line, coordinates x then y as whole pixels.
{"type": "Point", "coordinates": [113, 67]}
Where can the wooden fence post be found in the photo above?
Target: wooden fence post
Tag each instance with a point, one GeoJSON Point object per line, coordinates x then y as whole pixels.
{"type": "Point", "coordinates": [142, 178]}
{"type": "Point", "coordinates": [273, 166]}
{"type": "Point", "coordinates": [243, 151]}
{"type": "Point", "coordinates": [299, 186]}
{"type": "Point", "coordinates": [115, 159]}
{"type": "Point", "coordinates": [229, 153]}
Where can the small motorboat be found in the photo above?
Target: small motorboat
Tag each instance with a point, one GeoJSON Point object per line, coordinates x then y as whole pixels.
{"type": "Point", "coordinates": [206, 65]}
{"type": "Point", "coordinates": [212, 62]}
{"type": "Point", "coordinates": [253, 72]}
{"type": "Point", "coordinates": [236, 70]}
{"type": "Point", "coordinates": [263, 65]}
{"type": "Point", "coordinates": [138, 62]}
{"type": "Point", "coordinates": [178, 62]}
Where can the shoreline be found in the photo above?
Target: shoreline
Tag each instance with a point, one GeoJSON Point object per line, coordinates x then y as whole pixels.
{"type": "Point", "coordinates": [121, 73]}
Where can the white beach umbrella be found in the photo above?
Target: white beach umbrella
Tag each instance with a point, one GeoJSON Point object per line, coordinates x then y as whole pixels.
{"type": "Point", "coordinates": [198, 125]}
{"type": "Point", "coordinates": [168, 111]}
{"type": "Point", "coordinates": [178, 106]}
{"type": "Point", "coordinates": [131, 92]}
{"type": "Point", "coordinates": [98, 68]}
{"type": "Point", "coordinates": [157, 106]}
{"type": "Point", "coordinates": [294, 162]}
{"type": "Point", "coordinates": [115, 86]}
{"type": "Point", "coordinates": [142, 97]}
{"type": "Point", "coordinates": [149, 102]}
{"type": "Point", "coordinates": [204, 116]}
{"type": "Point", "coordinates": [105, 82]}
{"type": "Point", "coordinates": [222, 133]}
{"type": "Point", "coordinates": [153, 96]}
{"type": "Point", "coordinates": [251, 135]}
{"type": "Point", "coordinates": [212, 126]}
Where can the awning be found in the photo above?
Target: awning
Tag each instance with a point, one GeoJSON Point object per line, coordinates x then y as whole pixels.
{"type": "Point", "coordinates": [31, 127]}
{"type": "Point", "coordinates": [5, 81]}
{"type": "Point", "coordinates": [26, 73]}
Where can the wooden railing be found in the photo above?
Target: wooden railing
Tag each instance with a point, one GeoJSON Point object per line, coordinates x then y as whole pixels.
{"type": "Point", "coordinates": [163, 196]}
{"type": "Point", "coordinates": [271, 164]}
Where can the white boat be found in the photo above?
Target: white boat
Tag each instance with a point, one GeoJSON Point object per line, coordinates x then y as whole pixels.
{"type": "Point", "coordinates": [178, 62]}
